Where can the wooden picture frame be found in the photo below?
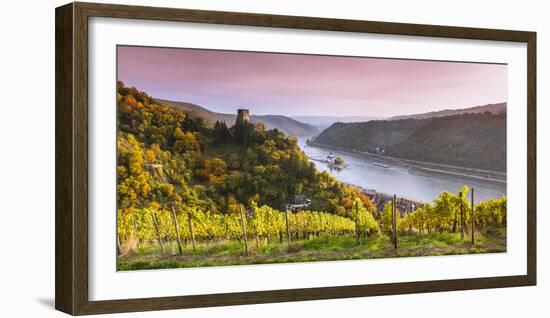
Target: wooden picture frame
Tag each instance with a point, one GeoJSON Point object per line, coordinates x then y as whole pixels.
{"type": "Point", "coordinates": [71, 122]}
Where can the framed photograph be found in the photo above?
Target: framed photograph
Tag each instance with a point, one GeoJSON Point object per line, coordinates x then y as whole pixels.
{"type": "Point", "coordinates": [211, 158]}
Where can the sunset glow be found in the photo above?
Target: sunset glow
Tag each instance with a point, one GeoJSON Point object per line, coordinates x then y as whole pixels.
{"type": "Point", "coordinates": [293, 84]}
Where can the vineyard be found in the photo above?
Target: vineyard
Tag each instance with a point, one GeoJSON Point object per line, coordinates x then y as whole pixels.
{"type": "Point", "coordinates": [194, 193]}
{"type": "Point", "coordinates": [183, 233]}
{"type": "Point", "coordinates": [157, 225]}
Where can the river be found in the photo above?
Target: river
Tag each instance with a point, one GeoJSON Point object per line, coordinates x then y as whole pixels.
{"type": "Point", "coordinates": [413, 184]}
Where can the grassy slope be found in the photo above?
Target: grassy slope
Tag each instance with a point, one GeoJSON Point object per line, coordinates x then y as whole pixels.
{"type": "Point", "coordinates": [316, 249]}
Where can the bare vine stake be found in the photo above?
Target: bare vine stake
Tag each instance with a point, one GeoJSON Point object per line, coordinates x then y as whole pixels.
{"type": "Point", "coordinates": [287, 226]}
{"type": "Point", "coordinates": [394, 222]}
{"type": "Point", "coordinates": [118, 247]}
{"type": "Point", "coordinates": [176, 227]}
{"type": "Point", "coordinates": [356, 223]}
{"type": "Point", "coordinates": [190, 219]}
{"type": "Point", "coordinates": [136, 232]}
{"type": "Point", "coordinates": [473, 218]}
{"type": "Point", "coordinates": [244, 231]}
{"type": "Point", "coordinates": [154, 217]}
{"type": "Point", "coordinates": [461, 217]}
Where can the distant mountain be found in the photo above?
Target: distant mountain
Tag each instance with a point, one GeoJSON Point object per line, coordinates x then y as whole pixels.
{"type": "Point", "coordinates": [287, 125]}
{"type": "Point", "coordinates": [197, 111]}
{"type": "Point", "coordinates": [492, 108]}
{"type": "Point", "coordinates": [474, 140]}
{"type": "Point", "coordinates": [323, 122]}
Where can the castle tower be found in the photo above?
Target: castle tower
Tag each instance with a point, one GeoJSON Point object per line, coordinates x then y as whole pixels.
{"type": "Point", "coordinates": [243, 116]}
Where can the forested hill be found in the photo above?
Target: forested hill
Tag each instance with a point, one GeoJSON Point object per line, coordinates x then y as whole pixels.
{"type": "Point", "coordinates": [491, 108]}
{"type": "Point", "coordinates": [167, 158]}
{"type": "Point", "coordinates": [285, 124]}
{"type": "Point", "coordinates": [467, 140]}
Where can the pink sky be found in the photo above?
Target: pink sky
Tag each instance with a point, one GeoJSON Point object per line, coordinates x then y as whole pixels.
{"type": "Point", "coordinates": [292, 84]}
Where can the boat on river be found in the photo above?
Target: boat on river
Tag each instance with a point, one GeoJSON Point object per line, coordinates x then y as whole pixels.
{"type": "Point", "coordinates": [381, 165]}
{"type": "Point", "coordinates": [400, 178]}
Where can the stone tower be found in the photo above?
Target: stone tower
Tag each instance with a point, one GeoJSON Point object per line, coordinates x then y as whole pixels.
{"type": "Point", "coordinates": [243, 116]}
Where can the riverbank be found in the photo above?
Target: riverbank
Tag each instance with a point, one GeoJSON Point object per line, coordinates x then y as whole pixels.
{"type": "Point", "coordinates": [486, 175]}
{"type": "Point", "coordinates": [380, 199]}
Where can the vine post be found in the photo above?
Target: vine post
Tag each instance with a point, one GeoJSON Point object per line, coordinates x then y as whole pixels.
{"type": "Point", "coordinates": [244, 230]}
{"type": "Point", "coordinates": [176, 228]}
{"type": "Point", "coordinates": [191, 230]}
{"type": "Point", "coordinates": [394, 222]}
{"type": "Point", "coordinates": [118, 247]}
{"type": "Point", "coordinates": [136, 232]}
{"type": "Point", "coordinates": [356, 223]}
{"type": "Point", "coordinates": [461, 217]}
{"type": "Point", "coordinates": [287, 225]}
{"type": "Point", "coordinates": [155, 223]}
{"type": "Point", "coordinates": [473, 218]}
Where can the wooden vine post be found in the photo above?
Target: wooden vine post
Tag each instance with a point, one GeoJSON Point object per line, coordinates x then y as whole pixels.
{"type": "Point", "coordinates": [461, 217]}
{"type": "Point", "coordinates": [244, 230]}
{"type": "Point", "coordinates": [287, 225]}
{"type": "Point", "coordinates": [356, 223]}
{"type": "Point", "coordinates": [118, 247]}
{"type": "Point", "coordinates": [154, 217]}
{"type": "Point", "coordinates": [191, 230]}
{"type": "Point", "coordinates": [473, 218]}
{"type": "Point", "coordinates": [394, 222]}
{"type": "Point", "coordinates": [176, 227]}
{"type": "Point", "coordinates": [136, 232]}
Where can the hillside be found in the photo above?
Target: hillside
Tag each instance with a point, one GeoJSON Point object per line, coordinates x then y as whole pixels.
{"type": "Point", "coordinates": [492, 108]}
{"type": "Point", "coordinates": [285, 124]}
{"type": "Point", "coordinates": [165, 154]}
{"type": "Point", "coordinates": [323, 122]}
{"type": "Point", "coordinates": [467, 140]}
{"type": "Point", "coordinates": [367, 136]}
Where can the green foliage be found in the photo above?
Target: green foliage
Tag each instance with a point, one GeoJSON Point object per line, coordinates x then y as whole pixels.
{"type": "Point", "coordinates": [492, 212]}
{"type": "Point", "coordinates": [266, 223]}
{"type": "Point", "coordinates": [367, 225]}
{"type": "Point", "coordinates": [221, 133]}
{"type": "Point", "coordinates": [386, 222]}
{"type": "Point", "coordinates": [339, 161]}
{"type": "Point", "coordinates": [444, 215]}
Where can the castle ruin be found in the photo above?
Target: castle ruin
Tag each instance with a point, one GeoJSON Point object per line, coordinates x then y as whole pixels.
{"type": "Point", "coordinates": [243, 117]}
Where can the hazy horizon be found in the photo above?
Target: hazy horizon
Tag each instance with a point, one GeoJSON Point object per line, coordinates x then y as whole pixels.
{"type": "Point", "coordinates": [297, 85]}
